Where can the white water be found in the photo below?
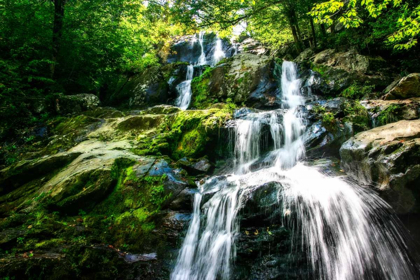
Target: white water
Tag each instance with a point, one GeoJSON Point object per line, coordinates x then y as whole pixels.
{"type": "Point", "coordinates": [184, 89]}
{"type": "Point", "coordinates": [202, 58]}
{"type": "Point", "coordinates": [219, 54]}
{"type": "Point", "coordinates": [346, 230]}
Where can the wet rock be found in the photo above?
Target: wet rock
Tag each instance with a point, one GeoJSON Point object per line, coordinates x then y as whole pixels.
{"type": "Point", "coordinates": [407, 87]}
{"type": "Point", "coordinates": [174, 181]}
{"type": "Point", "coordinates": [387, 157]}
{"type": "Point", "coordinates": [151, 87]}
{"type": "Point", "coordinates": [183, 201]}
{"type": "Point", "coordinates": [195, 167]}
{"type": "Point", "coordinates": [320, 141]}
{"type": "Point", "coordinates": [71, 104]}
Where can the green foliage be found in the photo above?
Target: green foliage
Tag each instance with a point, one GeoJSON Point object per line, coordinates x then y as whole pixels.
{"type": "Point", "coordinates": [401, 34]}
{"type": "Point", "coordinates": [388, 115]}
{"type": "Point", "coordinates": [328, 120]}
{"type": "Point", "coordinates": [356, 114]}
{"type": "Point", "coordinates": [357, 91]}
{"type": "Point", "coordinates": [199, 87]}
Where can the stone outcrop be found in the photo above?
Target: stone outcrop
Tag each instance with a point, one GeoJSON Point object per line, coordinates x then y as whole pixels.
{"type": "Point", "coordinates": [341, 70]}
{"type": "Point", "coordinates": [407, 87]}
{"type": "Point", "coordinates": [386, 157]}
{"type": "Point", "coordinates": [245, 78]}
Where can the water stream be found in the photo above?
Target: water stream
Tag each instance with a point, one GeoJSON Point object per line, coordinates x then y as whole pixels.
{"type": "Point", "coordinates": [347, 231]}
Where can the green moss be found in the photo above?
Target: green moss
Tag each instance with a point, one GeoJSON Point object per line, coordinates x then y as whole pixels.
{"type": "Point", "coordinates": [356, 114]}
{"type": "Point", "coordinates": [357, 91]}
{"type": "Point", "coordinates": [187, 133]}
{"type": "Point", "coordinates": [389, 115]}
{"type": "Point", "coordinates": [328, 121]}
{"type": "Point", "coordinates": [200, 90]}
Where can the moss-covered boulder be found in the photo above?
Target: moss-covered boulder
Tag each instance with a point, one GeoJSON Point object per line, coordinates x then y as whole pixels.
{"type": "Point", "coordinates": [386, 157]}
{"type": "Point", "coordinates": [243, 79]}
{"type": "Point", "coordinates": [348, 74]}
{"type": "Point", "coordinates": [407, 87]}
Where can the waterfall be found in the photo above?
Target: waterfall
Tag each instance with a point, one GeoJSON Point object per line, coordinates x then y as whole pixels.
{"type": "Point", "coordinates": [202, 58]}
{"type": "Point", "coordinates": [347, 231]}
{"type": "Point", "coordinates": [184, 89]}
{"type": "Point", "coordinates": [219, 54]}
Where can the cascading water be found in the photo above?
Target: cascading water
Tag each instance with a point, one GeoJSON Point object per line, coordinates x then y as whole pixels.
{"type": "Point", "coordinates": [219, 54]}
{"type": "Point", "coordinates": [347, 231]}
{"type": "Point", "coordinates": [184, 89]}
{"type": "Point", "coordinates": [202, 58]}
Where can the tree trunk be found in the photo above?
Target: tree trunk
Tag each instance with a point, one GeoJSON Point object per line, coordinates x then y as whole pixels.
{"type": "Point", "coordinates": [57, 32]}
{"type": "Point", "coordinates": [313, 32]}
{"type": "Point", "coordinates": [295, 36]}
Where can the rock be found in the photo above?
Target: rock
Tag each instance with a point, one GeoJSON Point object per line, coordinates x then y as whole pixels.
{"type": "Point", "coordinates": [387, 158]}
{"type": "Point", "coordinates": [71, 104]}
{"type": "Point", "coordinates": [350, 61]}
{"type": "Point", "coordinates": [140, 123]}
{"type": "Point", "coordinates": [387, 111]}
{"type": "Point", "coordinates": [407, 87]}
{"type": "Point", "coordinates": [88, 179]}
{"type": "Point", "coordinates": [245, 78]}
{"type": "Point", "coordinates": [304, 56]}
{"type": "Point", "coordinates": [173, 180]}
{"type": "Point", "coordinates": [324, 57]}
{"type": "Point", "coordinates": [184, 200]}
{"type": "Point", "coordinates": [162, 109]}
{"type": "Point", "coordinates": [195, 167]}
{"type": "Point", "coordinates": [147, 88]}
{"type": "Point", "coordinates": [320, 141]}
{"type": "Point", "coordinates": [25, 171]}
{"type": "Point", "coordinates": [340, 70]}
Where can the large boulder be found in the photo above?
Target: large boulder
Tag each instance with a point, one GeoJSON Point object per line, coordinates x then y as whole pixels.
{"type": "Point", "coordinates": [341, 70]}
{"type": "Point", "coordinates": [388, 158]}
{"type": "Point", "coordinates": [349, 61]}
{"type": "Point", "coordinates": [245, 78]}
{"type": "Point", "coordinates": [407, 87]}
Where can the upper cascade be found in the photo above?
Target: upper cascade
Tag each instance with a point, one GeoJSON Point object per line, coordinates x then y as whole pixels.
{"type": "Point", "coordinates": [210, 50]}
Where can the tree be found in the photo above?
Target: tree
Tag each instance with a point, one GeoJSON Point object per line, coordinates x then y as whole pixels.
{"type": "Point", "coordinates": [348, 13]}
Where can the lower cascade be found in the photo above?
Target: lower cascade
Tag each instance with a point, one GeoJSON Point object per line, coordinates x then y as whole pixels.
{"type": "Point", "coordinates": [347, 231]}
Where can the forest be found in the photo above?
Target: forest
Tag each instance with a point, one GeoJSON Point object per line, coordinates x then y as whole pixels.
{"type": "Point", "coordinates": [168, 139]}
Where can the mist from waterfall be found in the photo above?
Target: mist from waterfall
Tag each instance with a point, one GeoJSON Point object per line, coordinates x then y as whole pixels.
{"type": "Point", "coordinates": [347, 231]}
